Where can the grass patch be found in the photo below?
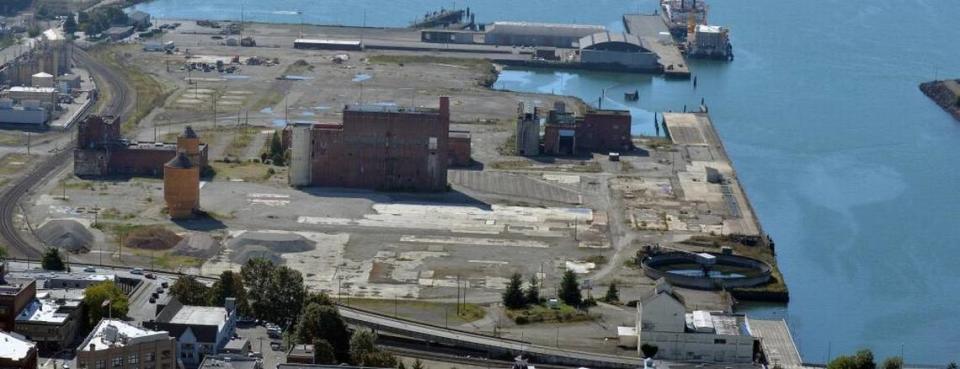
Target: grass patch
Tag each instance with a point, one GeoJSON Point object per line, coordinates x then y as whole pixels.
{"type": "Point", "coordinates": [166, 259]}
{"type": "Point", "coordinates": [580, 167]}
{"type": "Point", "coordinates": [508, 147]}
{"type": "Point", "coordinates": [488, 73]}
{"type": "Point", "coordinates": [245, 171]}
{"type": "Point", "coordinates": [12, 139]}
{"type": "Point", "coordinates": [241, 139]}
{"type": "Point", "coordinates": [425, 311]}
{"type": "Point", "coordinates": [13, 163]}
{"type": "Point", "coordinates": [268, 99]}
{"type": "Point", "coordinates": [150, 92]}
{"type": "Point", "coordinates": [544, 314]}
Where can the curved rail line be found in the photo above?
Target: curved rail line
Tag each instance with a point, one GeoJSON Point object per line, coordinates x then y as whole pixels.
{"type": "Point", "coordinates": [120, 105]}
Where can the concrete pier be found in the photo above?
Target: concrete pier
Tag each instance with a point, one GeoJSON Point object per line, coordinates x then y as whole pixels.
{"type": "Point", "coordinates": [648, 28]}
{"type": "Point", "coordinates": [777, 343]}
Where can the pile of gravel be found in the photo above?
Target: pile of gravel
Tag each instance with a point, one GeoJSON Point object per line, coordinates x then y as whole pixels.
{"type": "Point", "coordinates": [198, 245]}
{"type": "Point", "coordinates": [267, 245]}
{"type": "Point", "coordinates": [67, 234]}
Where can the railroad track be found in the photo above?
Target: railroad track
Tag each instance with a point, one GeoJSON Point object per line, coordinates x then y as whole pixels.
{"type": "Point", "coordinates": [120, 105]}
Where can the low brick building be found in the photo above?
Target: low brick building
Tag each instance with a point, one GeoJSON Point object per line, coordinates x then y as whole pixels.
{"type": "Point", "coordinates": [375, 147]}
{"type": "Point", "coordinates": [600, 131]}
{"type": "Point", "coordinates": [102, 151]}
{"type": "Point", "coordinates": [458, 153]}
{"type": "Point", "coordinates": [14, 297]}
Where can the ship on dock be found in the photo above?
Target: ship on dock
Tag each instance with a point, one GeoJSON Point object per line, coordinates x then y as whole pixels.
{"type": "Point", "coordinates": [708, 42]}
{"type": "Point", "coordinates": [677, 14]}
{"type": "Point", "coordinates": [446, 18]}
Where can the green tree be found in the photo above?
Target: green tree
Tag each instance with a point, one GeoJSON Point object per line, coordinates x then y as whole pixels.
{"type": "Point", "coordinates": [324, 321]}
{"type": "Point", "coordinates": [364, 351]}
{"type": "Point", "coordinates": [532, 295]}
{"type": "Point", "coordinates": [570, 289]}
{"type": "Point", "coordinates": [53, 260]}
{"type": "Point", "coordinates": [95, 296]}
{"type": "Point", "coordinates": [863, 359]}
{"type": "Point", "coordinates": [513, 296]}
{"type": "Point", "coordinates": [230, 285]}
{"type": "Point", "coordinates": [649, 350]}
{"type": "Point", "coordinates": [70, 25]}
{"type": "Point", "coordinates": [952, 365]}
{"type": "Point", "coordinates": [190, 292]}
{"type": "Point", "coordinates": [895, 362]}
{"type": "Point", "coordinates": [276, 149]}
{"type": "Point", "coordinates": [256, 275]}
{"type": "Point", "coordinates": [613, 294]}
{"type": "Point", "coordinates": [417, 364]}
{"type": "Point", "coordinates": [319, 298]}
{"type": "Point", "coordinates": [323, 352]}
{"type": "Point", "coordinates": [285, 296]}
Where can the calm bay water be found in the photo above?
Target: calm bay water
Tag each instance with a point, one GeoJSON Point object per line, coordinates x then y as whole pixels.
{"type": "Point", "coordinates": [851, 169]}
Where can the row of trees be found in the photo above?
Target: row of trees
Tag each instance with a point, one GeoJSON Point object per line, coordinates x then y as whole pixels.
{"type": "Point", "coordinates": [516, 297]}
{"type": "Point", "coordinates": [100, 19]}
{"type": "Point", "coordinates": [863, 359]}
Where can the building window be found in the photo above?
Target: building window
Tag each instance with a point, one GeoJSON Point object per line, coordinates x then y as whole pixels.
{"type": "Point", "coordinates": [432, 144]}
{"type": "Point", "coordinates": [719, 341]}
{"type": "Point", "coordinates": [100, 364]}
{"type": "Point", "coordinates": [133, 359]}
{"type": "Point", "coordinates": [165, 354]}
{"type": "Point", "coordinates": [82, 364]}
{"type": "Point", "coordinates": [117, 362]}
{"type": "Point", "coordinates": [149, 357]}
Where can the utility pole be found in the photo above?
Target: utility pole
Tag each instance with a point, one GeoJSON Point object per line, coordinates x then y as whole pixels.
{"type": "Point", "coordinates": [28, 142]}
{"type": "Point", "coordinates": [458, 295]}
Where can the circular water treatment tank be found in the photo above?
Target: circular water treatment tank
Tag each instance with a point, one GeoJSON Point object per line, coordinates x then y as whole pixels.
{"type": "Point", "coordinates": [707, 271]}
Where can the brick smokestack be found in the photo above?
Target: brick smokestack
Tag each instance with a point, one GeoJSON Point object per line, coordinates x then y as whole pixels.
{"type": "Point", "coordinates": [445, 106]}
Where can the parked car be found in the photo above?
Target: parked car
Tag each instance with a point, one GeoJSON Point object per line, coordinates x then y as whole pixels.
{"type": "Point", "coordinates": [151, 276]}
{"type": "Point", "coordinates": [90, 270]}
{"type": "Point", "coordinates": [137, 271]}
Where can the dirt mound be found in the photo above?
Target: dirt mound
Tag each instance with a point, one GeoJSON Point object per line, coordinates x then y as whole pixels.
{"type": "Point", "coordinates": [151, 238]}
{"type": "Point", "coordinates": [198, 245]}
{"type": "Point", "coordinates": [67, 234]}
{"type": "Point", "coordinates": [267, 245]}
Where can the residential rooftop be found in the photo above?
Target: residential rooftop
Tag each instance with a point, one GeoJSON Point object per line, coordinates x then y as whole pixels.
{"type": "Point", "coordinates": [46, 310]}
{"type": "Point", "coordinates": [112, 333]}
{"type": "Point", "coordinates": [14, 346]}
{"type": "Point", "coordinates": [230, 361]}
{"type": "Point", "coordinates": [200, 315]}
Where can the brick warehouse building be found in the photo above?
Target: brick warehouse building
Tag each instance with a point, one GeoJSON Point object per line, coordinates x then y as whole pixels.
{"type": "Point", "coordinates": [102, 151]}
{"type": "Point", "coordinates": [375, 147]}
{"type": "Point", "coordinates": [597, 131]}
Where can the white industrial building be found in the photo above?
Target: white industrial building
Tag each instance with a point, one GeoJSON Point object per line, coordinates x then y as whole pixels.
{"type": "Point", "coordinates": [42, 80]}
{"type": "Point", "coordinates": [30, 113]}
{"type": "Point", "coordinates": [708, 41]}
{"type": "Point", "coordinates": [45, 95]}
{"type": "Point", "coordinates": [699, 336]}
{"type": "Point", "coordinates": [538, 34]}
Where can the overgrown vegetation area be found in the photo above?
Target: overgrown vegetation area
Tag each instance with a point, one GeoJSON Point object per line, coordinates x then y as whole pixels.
{"type": "Point", "coordinates": [527, 306]}
{"type": "Point", "coordinates": [486, 69]}
{"type": "Point", "coordinates": [150, 92]}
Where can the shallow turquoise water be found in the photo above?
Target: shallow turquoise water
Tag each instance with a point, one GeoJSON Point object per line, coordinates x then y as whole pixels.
{"type": "Point", "coordinates": [851, 169]}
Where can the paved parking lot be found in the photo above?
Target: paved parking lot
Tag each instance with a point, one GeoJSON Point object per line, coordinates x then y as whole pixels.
{"type": "Point", "coordinates": [260, 342]}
